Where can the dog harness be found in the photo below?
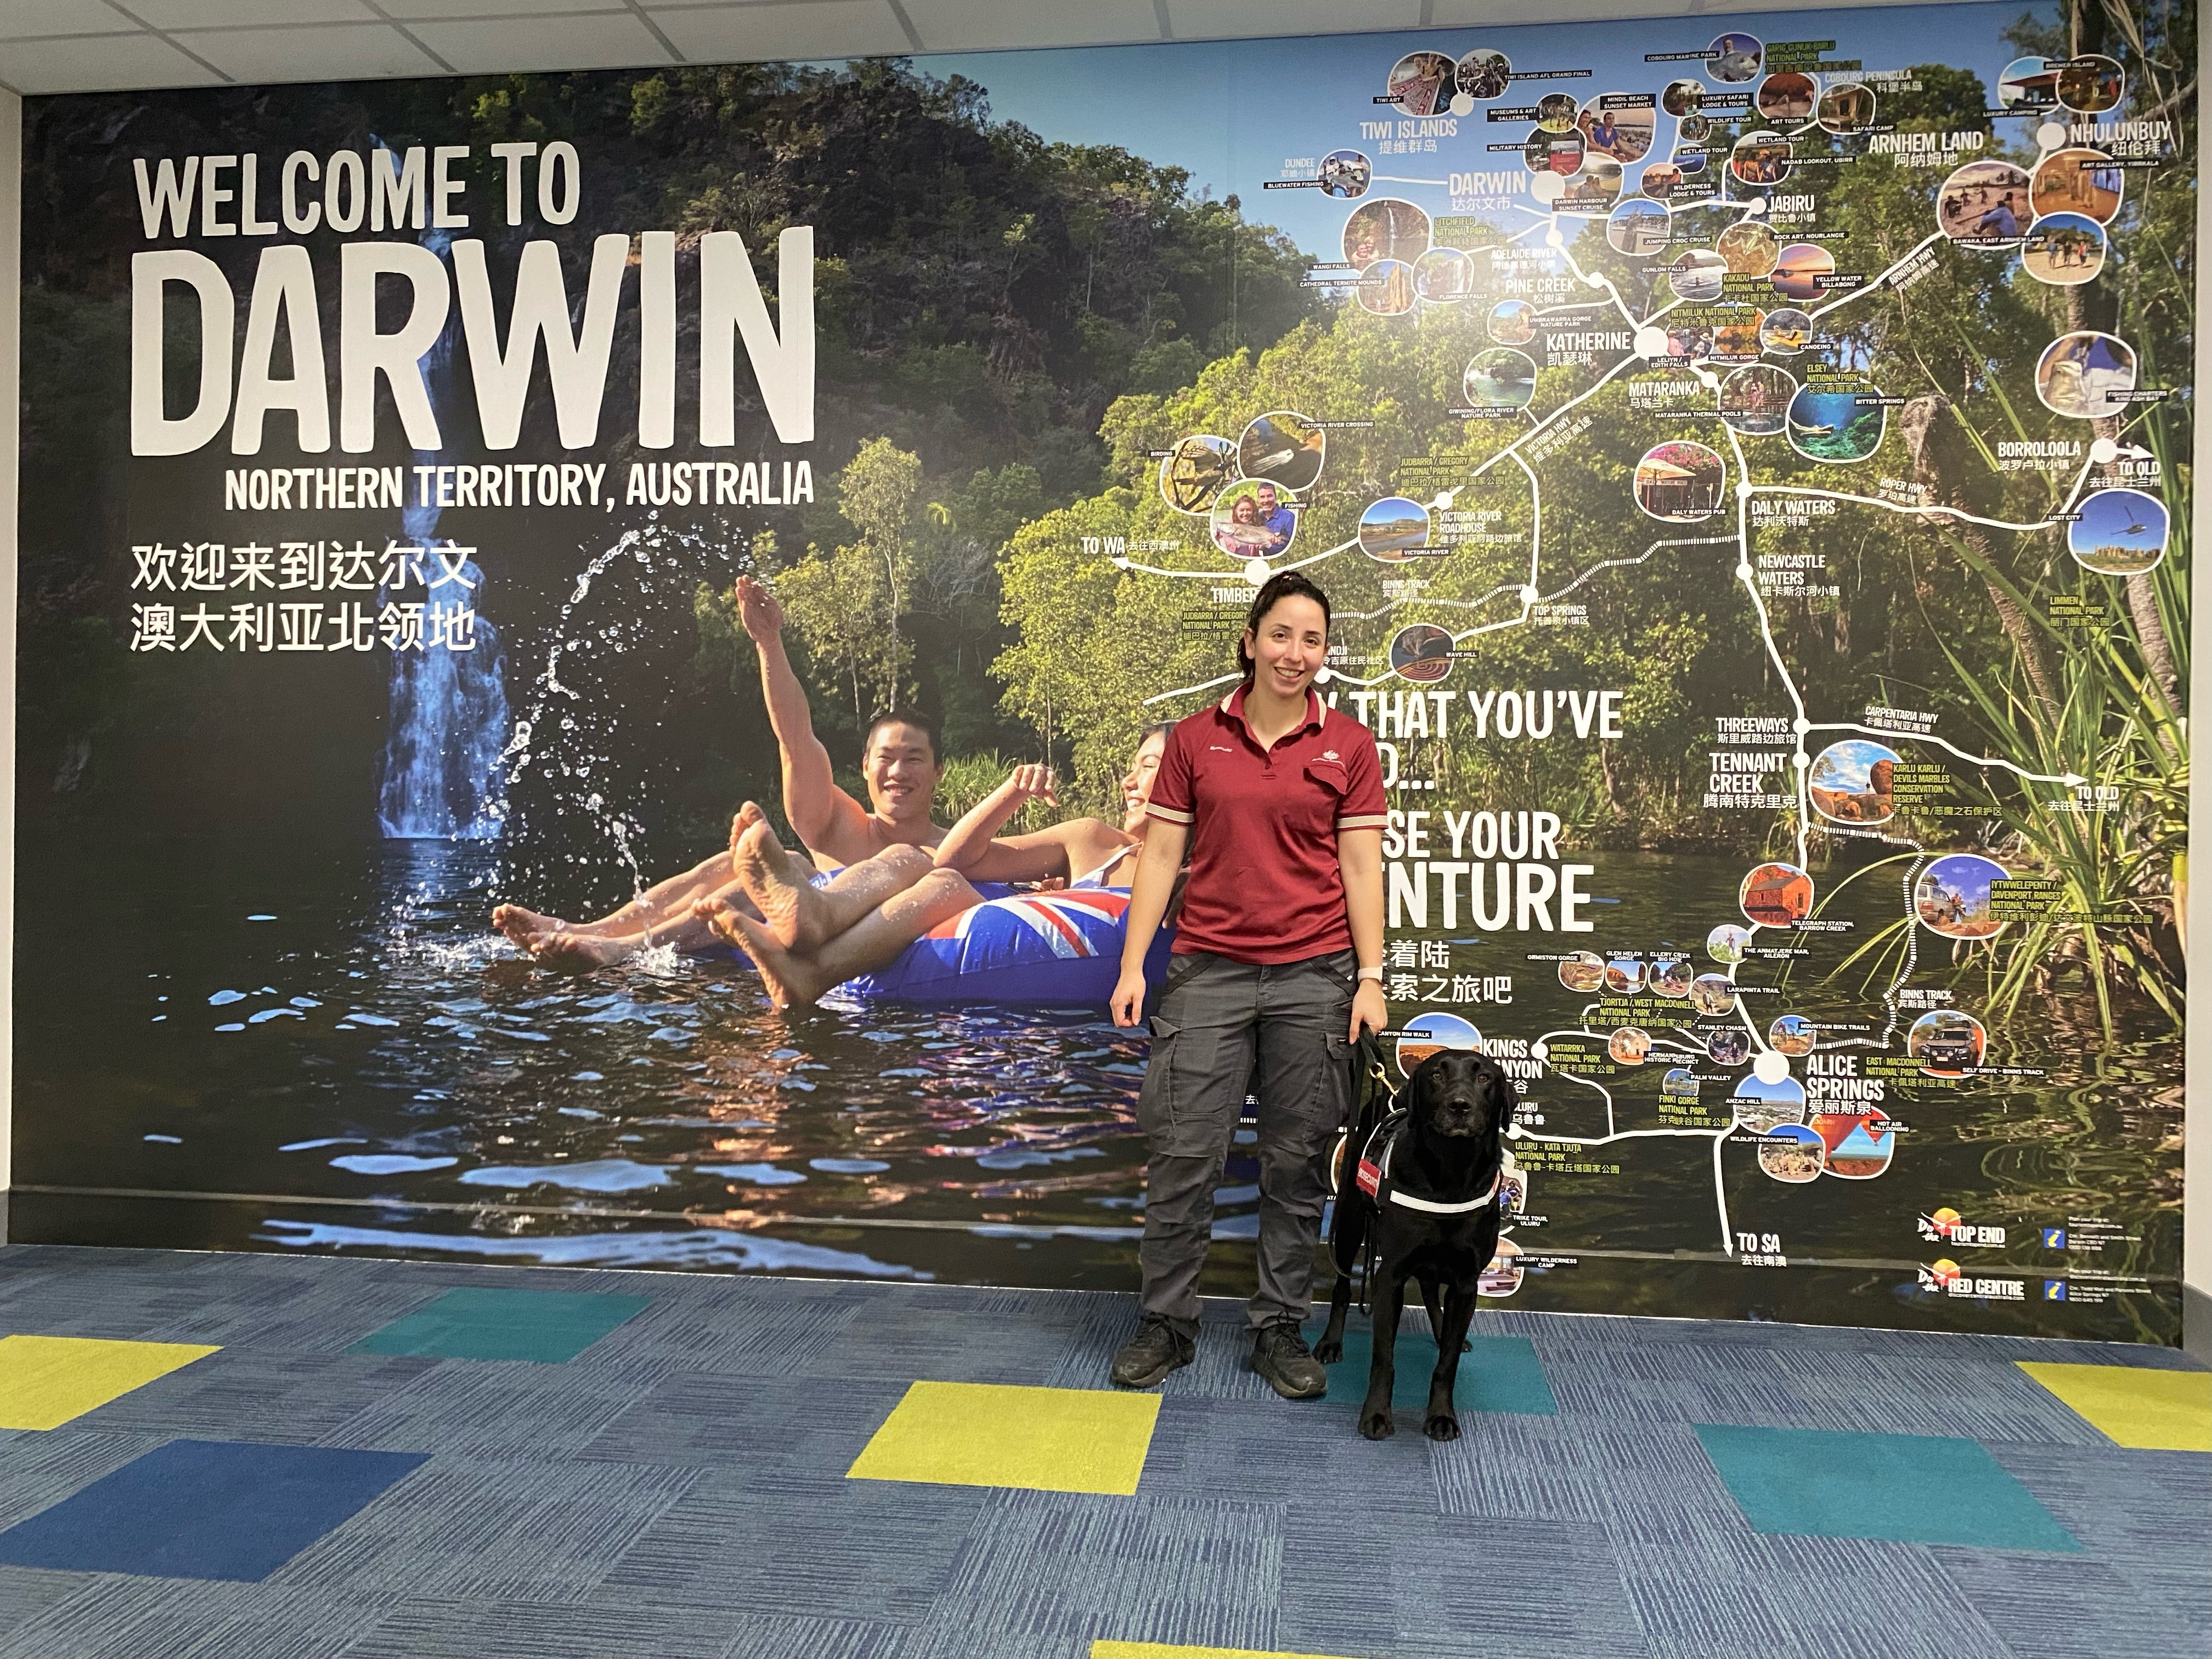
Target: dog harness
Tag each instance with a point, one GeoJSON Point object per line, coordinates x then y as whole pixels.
{"type": "Point", "coordinates": [1373, 1173]}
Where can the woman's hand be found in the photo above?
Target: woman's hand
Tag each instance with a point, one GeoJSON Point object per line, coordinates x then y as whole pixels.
{"type": "Point", "coordinates": [1027, 783]}
{"type": "Point", "coordinates": [1368, 1008]}
{"type": "Point", "coordinates": [1128, 1003]}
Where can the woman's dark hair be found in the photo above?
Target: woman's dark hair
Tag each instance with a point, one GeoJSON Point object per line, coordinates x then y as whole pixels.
{"type": "Point", "coordinates": [1283, 585]}
{"type": "Point", "coordinates": [1157, 729]}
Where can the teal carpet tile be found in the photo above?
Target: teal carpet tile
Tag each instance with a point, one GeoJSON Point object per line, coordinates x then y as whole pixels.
{"type": "Point", "coordinates": [547, 1326]}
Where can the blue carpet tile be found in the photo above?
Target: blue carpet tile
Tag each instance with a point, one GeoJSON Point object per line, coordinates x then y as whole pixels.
{"type": "Point", "coordinates": [444, 1461]}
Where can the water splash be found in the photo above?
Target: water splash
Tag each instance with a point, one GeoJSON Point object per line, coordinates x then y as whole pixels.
{"type": "Point", "coordinates": [448, 715]}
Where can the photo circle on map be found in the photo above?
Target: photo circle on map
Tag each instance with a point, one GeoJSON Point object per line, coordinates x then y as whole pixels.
{"type": "Point", "coordinates": [1504, 1275]}
{"type": "Point", "coordinates": [1712, 994]}
{"type": "Point", "coordinates": [1623, 134]}
{"type": "Point", "coordinates": [1798, 271]}
{"type": "Point", "coordinates": [1583, 971]}
{"type": "Point", "coordinates": [1952, 897]}
{"type": "Point", "coordinates": [1559, 153]}
{"type": "Point", "coordinates": [1792, 1152]}
{"type": "Point", "coordinates": [1499, 378]}
{"type": "Point", "coordinates": [2083, 181]}
{"type": "Point", "coordinates": [1852, 781]}
{"type": "Point", "coordinates": [1345, 174]}
{"type": "Point", "coordinates": [1283, 447]}
{"type": "Point", "coordinates": [2090, 85]}
{"type": "Point", "coordinates": [1726, 942]}
{"type": "Point", "coordinates": [1393, 527]}
{"type": "Point", "coordinates": [1735, 58]}
{"type": "Point", "coordinates": [1681, 482]}
{"type": "Point", "coordinates": [1483, 74]}
{"type": "Point", "coordinates": [1985, 204]}
{"type": "Point", "coordinates": [1670, 976]}
{"type": "Point", "coordinates": [1513, 322]}
{"type": "Point", "coordinates": [1421, 653]}
{"type": "Point", "coordinates": [2027, 84]}
{"type": "Point", "coordinates": [1750, 248]}
{"type": "Point", "coordinates": [1693, 130]}
{"type": "Point", "coordinates": [1196, 470]}
{"type": "Point", "coordinates": [1680, 1083]}
{"type": "Point", "coordinates": [1624, 976]}
{"type": "Point", "coordinates": [1793, 1035]}
{"type": "Point", "coordinates": [1683, 97]}
{"type": "Point", "coordinates": [1595, 189]}
{"type": "Point", "coordinates": [1432, 1033]}
{"type": "Point", "coordinates": [1760, 158]}
{"type": "Point", "coordinates": [1660, 180]}
{"type": "Point", "coordinates": [1385, 228]}
{"type": "Point", "coordinates": [1556, 111]}
{"type": "Point", "coordinates": [1947, 1043]}
{"type": "Point", "coordinates": [1443, 275]}
{"type": "Point", "coordinates": [1695, 275]}
{"type": "Point", "coordinates": [1736, 340]}
{"type": "Point", "coordinates": [2121, 533]}
{"type": "Point", "coordinates": [1846, 109]}
{"type": "Point", "coordinates": [1421, 82]}
{"type": "Point", "coordinates": [2064, 249]}
{"type": "Point", "coordinates": [1775, 895]}
{"type": "Point", "coordinates": [1512, 1193]}
{"type": "Point", "coordinates": [1859, 1143]}
{"type": "Point", "coordinates": [1729, 1045]}
{"type": "Point", "coordinates": [1689, 339]}
{"type": "Point", "coordinates": [1786, 96]}
{"type": "Point", "coordinates": [1755, 400]}
{"type": "Point", "coordinates": [1638, 229]}
{"type": "Point", "coordinates": [1759, 1106]}
{"type": "Point", "coordinates": [1785, 332]}
{"type": "Point", "coordinates": [1386, 287]}
{"type": "Point", "coordinates": [1832, 425]}
{"type": "Point", "coordinates": [1629, 1045]}
{"type": "Point", "coordinates": [1253, 518]}
{"type": "Point", "coordinates": [2078, 374]}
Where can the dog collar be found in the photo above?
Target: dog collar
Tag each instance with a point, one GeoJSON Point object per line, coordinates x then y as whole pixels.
{"type": "Point", "coordinates": [1374, 1175]}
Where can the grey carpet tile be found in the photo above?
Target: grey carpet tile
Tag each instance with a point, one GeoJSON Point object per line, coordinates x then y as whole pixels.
{"type": "Point", "coordinates": [2049, 1607]}
{"type": "Point", "coordinates": [462, 1528]}
{"type": "Point", "coordinates": [1591, 1383]}
{"type": "Point", "coordinates": [763, 1637]}
{"type": "Point", "coordinates": [434, 1628]}
{"type": "Point", "coordinates": [2130, 1506]}
{"type": "Point", "coordinates": [1044, 1573]}
{"type": "Point", "coordinates": [1276, 1451]}
{"type": "Point", "coordinates": [908, 1343]}
{"type": "Point", "coordinates": [251, 1394]}
{"type": "Point", "coordinates": [872, 1551]}
{"type": "Point", "coordinates": [1539, 1589]}
{"type": "Point", "coordinates": [1339, 1595]}
{"type": "Point", "coordinates": [490, 1408]}
{"type": "Point", "coordinates": [754, 1336]}
{"type": "Point", "coordinates": [1220, 1367]}
{"type": "Point", "coordinates": [116, 1617]}
{"type": "Point", "coordinates": [1762, 1597]}
{"type": "Point", "coordinates": [765, 1428]}
{"type": "Point", "coordinates": [1987, 1398]}
{"type": "Point", "coordinates": [39, 1469]}
{"type": "Point", "coordinates": [28, 1592]}
{"type": "Point", "coordinates": [1506, 1467]}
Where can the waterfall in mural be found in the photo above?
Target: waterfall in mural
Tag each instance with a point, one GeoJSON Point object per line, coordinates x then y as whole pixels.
{"type": "Point", "coordinates": [448, 719]}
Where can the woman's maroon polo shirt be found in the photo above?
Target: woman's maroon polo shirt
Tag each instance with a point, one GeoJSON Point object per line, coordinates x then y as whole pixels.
{"type": "Point", "coordinates": [1264, 883]}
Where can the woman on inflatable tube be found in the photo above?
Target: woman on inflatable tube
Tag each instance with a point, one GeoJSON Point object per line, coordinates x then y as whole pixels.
{"type": "Point", "coordinates": [939, 939]}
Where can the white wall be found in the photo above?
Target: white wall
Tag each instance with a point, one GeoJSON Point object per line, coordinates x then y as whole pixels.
{"type": "Point", "coordinates": [11, 266]}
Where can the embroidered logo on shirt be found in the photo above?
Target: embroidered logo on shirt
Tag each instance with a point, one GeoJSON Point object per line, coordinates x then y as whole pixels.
{"type": "Point", "coordinates": [1220, 749]}
{"type": "Point", "coordinates": [1329, 753]}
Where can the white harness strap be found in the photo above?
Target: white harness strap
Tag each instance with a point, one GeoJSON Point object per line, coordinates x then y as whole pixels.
{"type": "Point", "coordinates": [1375, 1176]}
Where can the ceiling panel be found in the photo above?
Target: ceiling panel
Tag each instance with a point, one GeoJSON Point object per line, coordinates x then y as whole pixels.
{"type": "Point", "coordinates": [354, 51]}
{"type": "Point", "coordinates": [230, 14]}
{"type": "Point", "coordinates": [21, 17]}
{"type": "Point", "coordinates": [980, 25]}
{"type": "Point", "coordinates": [111, 63]}
{"type": "Point", "coordinates": [1220, 20]}
{"type": "Point", "coordinates": [762, 33]}
{"type": "Point", "coordinates": [610, 40]}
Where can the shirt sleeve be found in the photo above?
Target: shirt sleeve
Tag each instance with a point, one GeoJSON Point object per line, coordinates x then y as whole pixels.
{"type": "Point", "coordinates": [1172, 800]}
{"type": "Point", "coordinates": [1364, 806]}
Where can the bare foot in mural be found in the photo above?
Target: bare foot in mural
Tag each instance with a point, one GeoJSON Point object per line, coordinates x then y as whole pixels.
{"type": "Point", "coordinates": [520, 925]}
{"type": "Point", "coordinates": [777, 885]}
{"type": "Point", "coordinates": [564, 949]}
{"type": "Point", "coordinates": [748, 815]}
{"type": "Point", "coordinates": [790, 979]}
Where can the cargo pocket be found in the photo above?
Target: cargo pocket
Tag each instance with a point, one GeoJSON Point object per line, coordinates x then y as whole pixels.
{"type": "Point", "coordinates": [1156, 1094]}
{"type": "Point", "coordinates": [1186, 969]}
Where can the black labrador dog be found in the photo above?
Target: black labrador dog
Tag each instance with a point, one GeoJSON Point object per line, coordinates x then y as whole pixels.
{"type": "Point", "coordinates": [1421, 1176]}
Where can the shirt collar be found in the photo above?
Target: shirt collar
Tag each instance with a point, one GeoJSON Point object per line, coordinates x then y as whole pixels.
{"type": "Point", "coordinates": [1316, 712]}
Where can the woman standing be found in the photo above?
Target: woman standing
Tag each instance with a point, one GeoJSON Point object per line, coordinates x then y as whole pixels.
{"type": "Point", "coordinates": [1278, 958]}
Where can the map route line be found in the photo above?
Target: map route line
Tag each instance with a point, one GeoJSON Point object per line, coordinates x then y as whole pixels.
{"type": "Point", "coordinates": [1394, 179]}
{"type": "Point", "coordinates": [2068, 778]}
{"type": "Point", "coordinates": [1612, 564]}
{"type": "Point", "coordinates": [1898, 506]}
{"type": "Point", "coordinates": [1929, 241]}
{"type": "Point", "coordinates": [1749, 578]}
{"type": "Point", "coordinates": [1720, 1194]}
{"type": "Point", "coordinates": [1547, 420]}
{"type": "Point", "coordinates": [1604, 1093]}
{"type": "Point", "coordinates": [1203, 685]}
{"type": "Point", "coordinates": [1616, 1134]}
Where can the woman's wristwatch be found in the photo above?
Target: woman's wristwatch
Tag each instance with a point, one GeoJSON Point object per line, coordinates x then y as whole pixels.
{"type": "Point", "coordinates": [1371, 972]}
